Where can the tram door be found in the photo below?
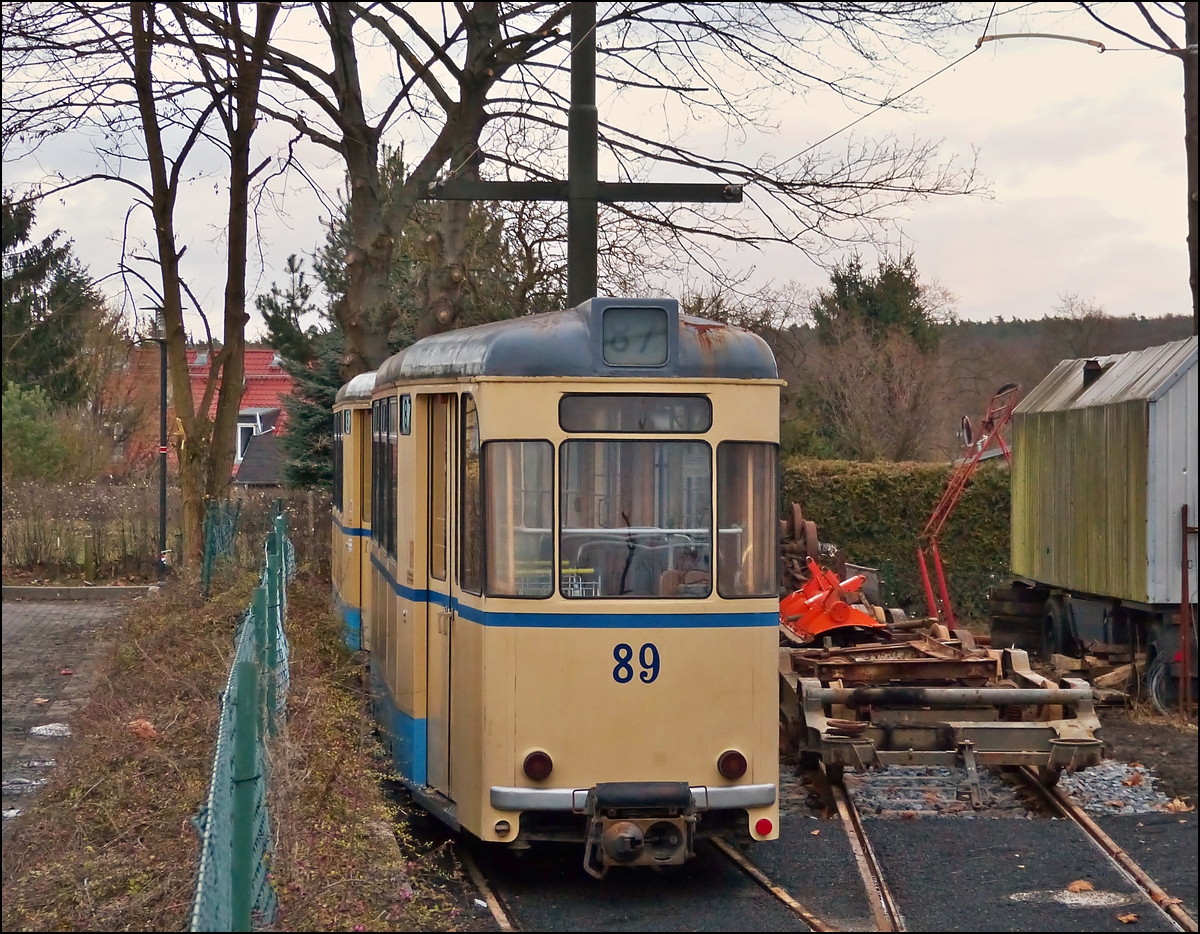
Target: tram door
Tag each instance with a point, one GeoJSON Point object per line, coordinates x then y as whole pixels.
{"type": "Point", "coordinates": [440, 621]}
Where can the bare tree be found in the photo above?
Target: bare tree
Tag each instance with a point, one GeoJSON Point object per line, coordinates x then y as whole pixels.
{"type": "Point", "coordinates": [878, 396]}
{"type": "Point", "coordinates": [1078, 328]}
{"type": "Point", "coordinates": [148, 93]}
{"type": "Point", "coordinates": [465, 74]}
{"type": "Point", "coordinates": [1163, 23]}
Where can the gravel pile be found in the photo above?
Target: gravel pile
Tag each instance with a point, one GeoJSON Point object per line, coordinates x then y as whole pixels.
{"type": "Point", "coordinates": [1114, 788]}
{"type": "Point", "coordinates": [931, 791]}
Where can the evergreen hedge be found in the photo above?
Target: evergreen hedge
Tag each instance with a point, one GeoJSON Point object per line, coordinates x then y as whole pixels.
{"type": "Point", "coordinates": [875, 511]}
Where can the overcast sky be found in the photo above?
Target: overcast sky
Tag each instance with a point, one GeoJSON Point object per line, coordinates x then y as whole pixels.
{"type": "Point", "coordinates": [1083, 152]}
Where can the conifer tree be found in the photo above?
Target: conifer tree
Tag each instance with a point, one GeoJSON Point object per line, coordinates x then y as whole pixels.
{"type": "Point", "coordinates": [49, 303]}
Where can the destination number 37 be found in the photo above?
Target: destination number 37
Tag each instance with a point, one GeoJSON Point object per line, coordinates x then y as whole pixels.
{"type": "Point", "coordinates": [647, 659]}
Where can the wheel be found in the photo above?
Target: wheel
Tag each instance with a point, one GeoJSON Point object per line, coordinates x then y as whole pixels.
{"type": "Point", "coordinates": [1057, 636]}
{"type": "Point", "coordinates": [811, 544]}
{"type": "Point", "coordinates": [1162, 688]}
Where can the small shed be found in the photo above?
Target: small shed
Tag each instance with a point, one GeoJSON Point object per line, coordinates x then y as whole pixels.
{"type": "Point", "coordinates": [1104, 457]}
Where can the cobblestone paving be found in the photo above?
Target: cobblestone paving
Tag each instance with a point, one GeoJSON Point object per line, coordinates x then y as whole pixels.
{"type": "Point", "coordinates": [41, 641]}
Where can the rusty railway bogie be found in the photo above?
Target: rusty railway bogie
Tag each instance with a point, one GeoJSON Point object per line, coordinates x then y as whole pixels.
{"type": "Point", "coordinates": [894, 705]}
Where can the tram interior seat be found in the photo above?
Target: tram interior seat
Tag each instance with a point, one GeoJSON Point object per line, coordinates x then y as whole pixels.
{"type": "Point", "coordinates": [607, 561]}
{"type": "Point", "coordinates": [640, 568]}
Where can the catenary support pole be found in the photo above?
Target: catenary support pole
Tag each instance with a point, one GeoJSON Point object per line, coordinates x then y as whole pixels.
{"type": "Point", "coordinates": [582, 158]}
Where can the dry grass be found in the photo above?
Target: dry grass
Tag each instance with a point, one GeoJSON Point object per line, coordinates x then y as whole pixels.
{"type": "Point", "coordinates": [1145, 713]}
{"type": "Point", "coordinates": [108, 845]}
{"type": "Point", "coordinates": [340, 861]}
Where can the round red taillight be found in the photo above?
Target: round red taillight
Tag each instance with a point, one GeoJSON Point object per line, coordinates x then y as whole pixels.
{"type": "Point", "coordinates": [538, 766]}
{"type": "Point", "coordinates": [731, 765]}
{"type": "Point", "coordinates": [763, 826]}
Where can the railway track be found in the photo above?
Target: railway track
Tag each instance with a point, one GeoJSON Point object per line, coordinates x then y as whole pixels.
{"type": "Point", "coordinates": [546, 892]}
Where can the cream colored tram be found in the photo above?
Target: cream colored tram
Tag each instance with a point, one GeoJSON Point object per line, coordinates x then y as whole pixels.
{"type": "Point", "coordinates": [352, 507]}
{"type": "Point", "coordinates": [573, 579]}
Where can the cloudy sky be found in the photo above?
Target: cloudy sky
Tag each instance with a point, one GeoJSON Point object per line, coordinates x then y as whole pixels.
{"type": "Point", "coordinates": [1083, 152]}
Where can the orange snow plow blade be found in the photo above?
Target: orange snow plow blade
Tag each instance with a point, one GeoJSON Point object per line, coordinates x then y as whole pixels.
{"type": "Point", "coordinates": [820, 606]}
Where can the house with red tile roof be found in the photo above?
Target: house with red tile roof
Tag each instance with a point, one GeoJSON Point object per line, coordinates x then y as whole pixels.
{"type": "Point", "coordinates": [261, 411]}
{"type": "Point", "coordinates": [261, 414]}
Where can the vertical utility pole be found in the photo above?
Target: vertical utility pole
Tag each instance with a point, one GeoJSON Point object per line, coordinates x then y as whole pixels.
{"type": "Point", "coordinates": [583, 190]}
{"type": "Point", "coordinates": [582, 158]}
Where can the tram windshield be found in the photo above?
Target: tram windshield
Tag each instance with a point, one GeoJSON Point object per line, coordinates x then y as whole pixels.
{"type": "Point", "coordinates": [636, 519]}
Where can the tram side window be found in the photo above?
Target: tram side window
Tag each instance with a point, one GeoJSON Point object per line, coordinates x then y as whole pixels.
{"type": "Point", "coordinates": [377, 485]}
{"type": "Point", "coordinates": [338, 471]}
{"type": "Point", "coordinates": [366, 502]}
{"type": "Point", "coordinates": [519, 504]}
{"type": "Point", "coordinates": [471, 572]}
{"type": "Point", "coordinates": [747, 529]}
{"type": "Point", "coordinates": [383, 475]}
{"type": "Point", "coordinates": [393, 475]}
{"type": "Point", "coordinates": [636, 519]}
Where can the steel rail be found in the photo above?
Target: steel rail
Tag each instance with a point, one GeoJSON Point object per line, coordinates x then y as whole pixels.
{"type": "Point", "coordinates": [883, 906]}
{"type": "Point", "coordinates": [743, 863]}
{"type": "Point", "coordinates": [1074, 813]}
{"type": "Point", "coordinates": [502, 918]}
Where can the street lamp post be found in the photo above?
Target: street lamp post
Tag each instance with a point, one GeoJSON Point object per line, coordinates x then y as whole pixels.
{"type": "Point", "coordinates": [160, 337]}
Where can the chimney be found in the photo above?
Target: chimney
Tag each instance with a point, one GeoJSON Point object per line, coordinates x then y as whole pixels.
{"type": "Point", "coordinates": [1091, 372]}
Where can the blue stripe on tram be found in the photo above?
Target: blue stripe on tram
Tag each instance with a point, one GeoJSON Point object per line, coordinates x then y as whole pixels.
{"type": "Point", "coordinates": [610, 620]}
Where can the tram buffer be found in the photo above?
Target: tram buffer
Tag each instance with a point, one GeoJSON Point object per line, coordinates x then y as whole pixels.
{"type": "Point", "coordinates": [583, 190]}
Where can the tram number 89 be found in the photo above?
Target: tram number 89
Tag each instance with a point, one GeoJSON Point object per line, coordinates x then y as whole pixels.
{"type": "Point", "coordinates": [647, 657]}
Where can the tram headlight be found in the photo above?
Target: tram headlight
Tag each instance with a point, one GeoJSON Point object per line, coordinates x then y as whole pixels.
{"type": "Point", "coordinates": [731, 764]}
{"type": "Point", "coordinates": [538, 766]}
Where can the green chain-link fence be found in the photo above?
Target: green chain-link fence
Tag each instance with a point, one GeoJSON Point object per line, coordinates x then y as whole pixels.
{"type": "Point", "coordinates": [220, 531]}
{"type": "Point", "coordinates": [232, 888]}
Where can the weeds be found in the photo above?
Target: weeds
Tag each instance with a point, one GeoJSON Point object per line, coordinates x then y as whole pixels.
{"type": "Point", "coordinates": [339, 862]}
{"type": "Point", "coordinates": [108, 845]}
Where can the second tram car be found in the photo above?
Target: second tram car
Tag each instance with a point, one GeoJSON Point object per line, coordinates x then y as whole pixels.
{"type": "Point", "coordinates": [351, 507]}
{"type": "Point", "coordinates": [571, 570]}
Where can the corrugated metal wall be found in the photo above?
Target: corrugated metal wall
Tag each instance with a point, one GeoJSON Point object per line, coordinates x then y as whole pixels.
{"type": "Point", "coordinates": [1172, 482]}
{"type": "Point", "coordinates": [1079, 498]}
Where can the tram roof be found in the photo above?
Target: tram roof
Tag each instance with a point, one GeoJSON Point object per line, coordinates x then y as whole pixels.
{"type": "Point", "coordinates": [569, 343]}
{"type": "Point", "coordinates": [359, 387]}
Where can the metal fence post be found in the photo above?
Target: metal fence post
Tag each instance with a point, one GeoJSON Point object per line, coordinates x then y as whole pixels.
{"type": "Point", "coordinates": [260, 613]}
{"type": "Point", "coordinates": [275, 584]}
{"type": "Point", "coordinates": [245, 775]}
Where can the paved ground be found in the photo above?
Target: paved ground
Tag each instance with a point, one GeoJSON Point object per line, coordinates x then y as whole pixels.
{"type": "Point", "coordinates": [547, 890]}
{"type": "Point", "coordinates": [1004, 875]}
{"type": "Point", "coordinates": [1165, 845]}
{"type": "Point", "coordinates": [41, 640]}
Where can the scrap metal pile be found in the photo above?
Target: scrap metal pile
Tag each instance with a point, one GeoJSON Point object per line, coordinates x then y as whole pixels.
{"type": "Point", "coordinates": [862, 686]}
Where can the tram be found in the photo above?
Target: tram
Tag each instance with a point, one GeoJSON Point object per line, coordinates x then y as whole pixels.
{"type": "Point", "coordinates": [351, 506]}
{"type": "Point", "coordinates": [571, 592]}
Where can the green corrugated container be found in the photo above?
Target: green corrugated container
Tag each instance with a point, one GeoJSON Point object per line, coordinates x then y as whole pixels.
{"type": "Point", "coordinates": [1104, 457]}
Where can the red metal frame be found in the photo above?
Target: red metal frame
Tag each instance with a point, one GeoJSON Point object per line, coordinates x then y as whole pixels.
{"type": "Point", "coordinates": [999, 414]}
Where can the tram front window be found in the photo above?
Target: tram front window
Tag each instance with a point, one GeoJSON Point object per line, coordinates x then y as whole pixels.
{"type": "Point", "coordinates": [636, 519]}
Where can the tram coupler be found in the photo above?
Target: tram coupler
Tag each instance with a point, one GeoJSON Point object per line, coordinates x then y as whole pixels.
{"type": "Point", "coordinates": [639, 824]}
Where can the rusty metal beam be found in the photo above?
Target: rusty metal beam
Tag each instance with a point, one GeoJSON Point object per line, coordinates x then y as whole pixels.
{"type": "Point", "coordinates": [906, 670]}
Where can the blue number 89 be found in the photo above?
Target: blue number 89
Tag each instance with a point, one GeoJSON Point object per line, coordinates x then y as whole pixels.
{"type": "Point", "coordinates": [647, 656]}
